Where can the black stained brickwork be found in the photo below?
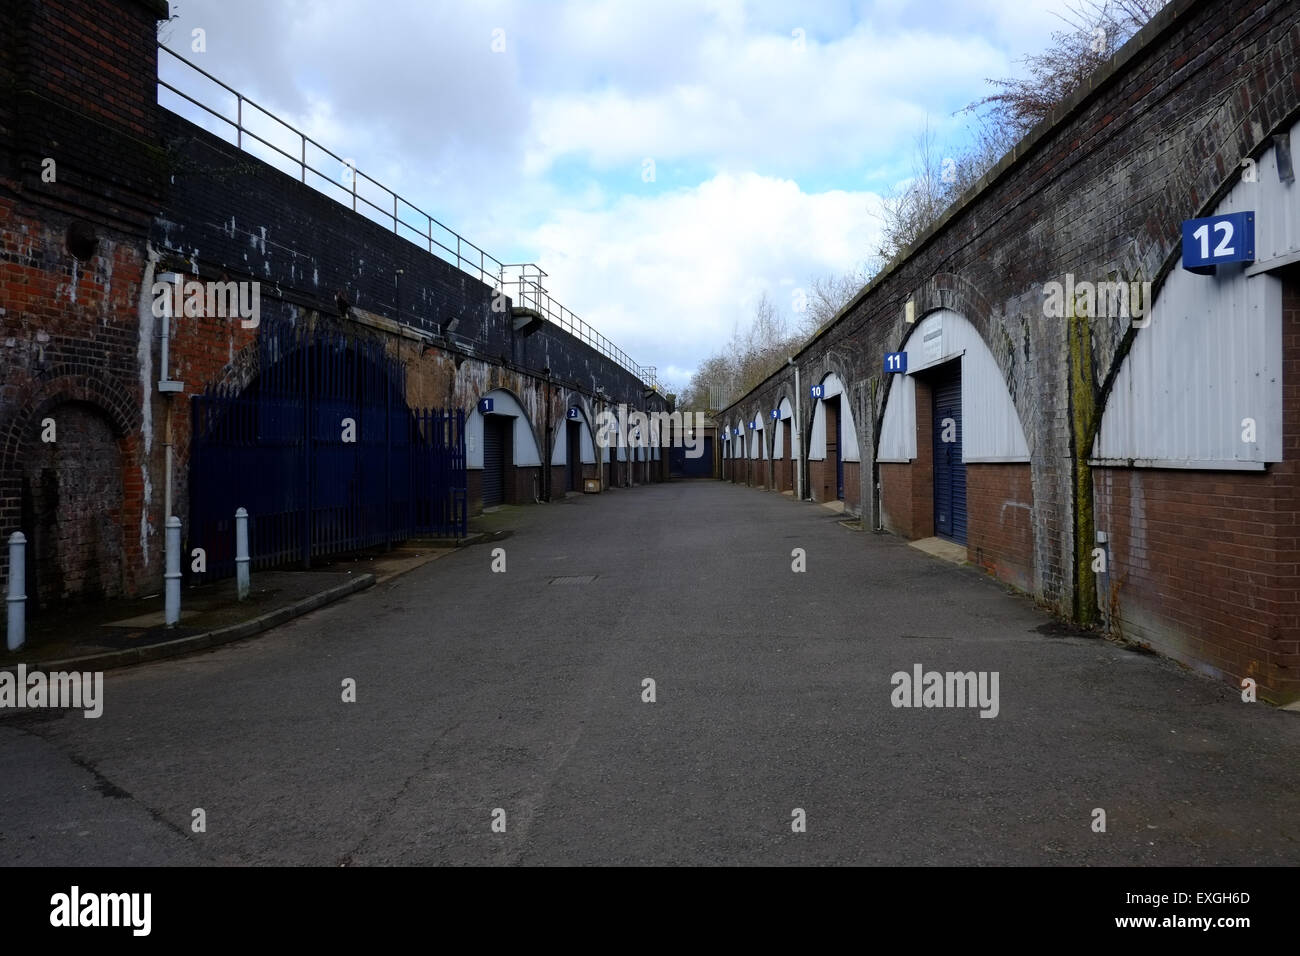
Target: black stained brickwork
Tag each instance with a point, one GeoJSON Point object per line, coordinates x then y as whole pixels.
{"type": "Point", "coordinates": [230, 211]}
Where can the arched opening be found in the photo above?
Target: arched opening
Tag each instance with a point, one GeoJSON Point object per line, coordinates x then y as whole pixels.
{"type": "Point", "coordinates": [71, 510]}
{"type": "Point", "coordinates": [783, 441]}
{"type": "Point", "coordinates": [833, 458]}
{"type": "Point", "coordinates": [323, 453]}
{"type": "Point", "coordinates": [573, 458]}
{"type": "Point", "coordinates": [503, 458]}
{"type": "Point", "coordinates": [757, 452]}
{"type": "Point", "coordinates": [952, 455]}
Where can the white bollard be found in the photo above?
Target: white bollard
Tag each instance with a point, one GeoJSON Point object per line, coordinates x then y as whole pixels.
{"type": "Point", "coordinates": [241, 554]}
{"type": "Point", "coordinates": [16, 634]}
{"type": "Point", "coordinates": [172, 607]}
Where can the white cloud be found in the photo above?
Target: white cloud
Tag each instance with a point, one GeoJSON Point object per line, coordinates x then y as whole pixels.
{"type": "Point", "coordinates": [765, 153]}
{"type": "Point", "coordinates": [668, 276]}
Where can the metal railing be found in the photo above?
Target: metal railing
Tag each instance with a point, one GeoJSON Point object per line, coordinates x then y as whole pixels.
{"type": "Point", "coordinates": [391, 209]}
{"type": "Point", "coordinates": [525, 279]}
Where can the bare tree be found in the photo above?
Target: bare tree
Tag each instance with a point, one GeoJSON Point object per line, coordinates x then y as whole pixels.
{"type": "Point", "coordinates": [829, 294]}
{"type": "Point", "coordinates": [908, 211]}
{"type": "Point", "coordinates": [1091, 33]}
{"type": "Point", "coordinates": [755, 350]}
{"type": "Point", "coordinates": [713, 385]}
{"type": "Point", "coordinates": [1093, 30]}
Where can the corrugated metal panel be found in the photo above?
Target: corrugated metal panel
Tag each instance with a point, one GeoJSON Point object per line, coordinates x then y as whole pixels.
{"type": "Point", "coordinates": [993, 430]}
{"type": "Point", "coordinates": [525, 443]}
{"type": "Point", "coordinates": [898, 430]}
{"type": "Point", "coordinates": [831, 387]}
{"type": "Point", "coordinates": [786, 411]}
{"type": "Point", "coordinates": [1276, 205]}
{"type": "Point", "coordinates": [1211, 354]}
{"type": "Point", "coordinates": [1210, 358]}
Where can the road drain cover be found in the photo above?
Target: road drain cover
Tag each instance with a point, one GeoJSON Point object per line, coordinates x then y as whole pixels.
{"type": "Point", "coordinates": [575, 579]}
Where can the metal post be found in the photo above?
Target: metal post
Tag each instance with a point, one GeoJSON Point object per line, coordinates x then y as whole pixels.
{"type": "Point", "coordinates": [241, 554]}
{"type": "Point", "coordinates": [172, 606]}
{"type": "Point", "coordinates": [17, 600]}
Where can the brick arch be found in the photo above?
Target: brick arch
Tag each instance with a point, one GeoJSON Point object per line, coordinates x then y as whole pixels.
{"type": "Point", "coordinates": [243, 369]}
{"type": "Point", "coordinates": [757, 416]}
{"type": "Point", "coordinates": [68, 383]}
{"type": "Point", "coordinates": [571, 398]}
{"type": "Point", "coordinates": [948, 290]}
{"type": "Point", "coordinates": [1215, 180]}
{"type": "Point", "coordinates": [539, 441]}
{"type": "Point", "coordinates": [831, 364]}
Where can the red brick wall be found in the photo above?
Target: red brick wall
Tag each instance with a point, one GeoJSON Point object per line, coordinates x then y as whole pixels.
{"type": "Point", "coordinates": [784, 474]}
{"type": "Point", "coordinates": [999, 522]}
{"type": "Point", "coordinates": [907, 490]}
{"type": "Point", "coordinates": [821, 478]}
{"type": "Point", "coordinates": [70, 334]}
{"type": "Point", "coordinates": [1204, 566]}
{"type": "Point", "coordinates": [896, 499]}
{"type": "Point", "coordinates": [853, 486]}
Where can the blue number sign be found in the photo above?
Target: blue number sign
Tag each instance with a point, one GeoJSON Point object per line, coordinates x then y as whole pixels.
{"type": "Point", "coordinates": [1218, 239]}
{"type": "Point", "coordinates": [895, 361]}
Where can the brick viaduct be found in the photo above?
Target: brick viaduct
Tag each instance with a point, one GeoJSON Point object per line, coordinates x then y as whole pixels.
{"type": "Point", "coordinates": [1202, 560]}
{"type": "Point", "coordinates": [102, 190]}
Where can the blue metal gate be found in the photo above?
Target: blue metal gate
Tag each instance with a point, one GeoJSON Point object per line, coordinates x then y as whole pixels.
{"type": "Point", "coordinates": [324, 454]}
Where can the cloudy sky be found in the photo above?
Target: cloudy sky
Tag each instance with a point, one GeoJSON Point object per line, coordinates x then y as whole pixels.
{"type": "Point", "coordinates": [665, 162]}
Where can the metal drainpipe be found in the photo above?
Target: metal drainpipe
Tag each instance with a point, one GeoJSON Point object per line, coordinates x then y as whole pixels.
{"type": "Point", "coordinates": [547, 452]}
{"type": "Point", "coordinates": [798, 423]}
{"type": "Point", "coordinates": [168, 388]}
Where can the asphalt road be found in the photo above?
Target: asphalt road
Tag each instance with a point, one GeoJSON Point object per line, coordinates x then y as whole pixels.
{"type": "Point", "coordinates": [478, 690]}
